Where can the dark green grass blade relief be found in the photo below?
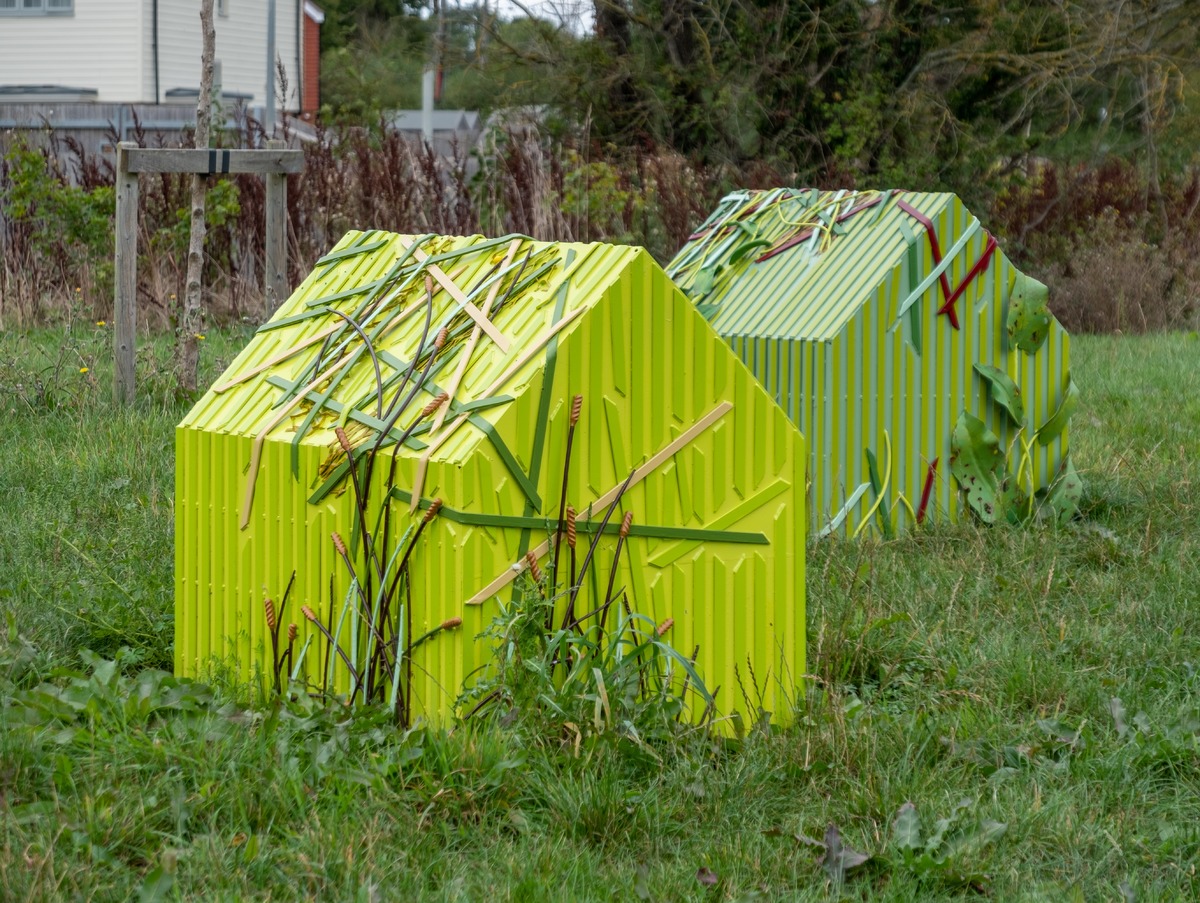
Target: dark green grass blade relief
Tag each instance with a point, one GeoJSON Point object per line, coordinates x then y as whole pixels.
{"type": "Point", "coordinates": [1004, 391]}
{"type": "Point", "coordinates": [885, 514]}
{"type": "Point", "coordinates": [350, 252]}
{"type": "Point", "coordinates": [744, 251]}
{"type": "Point", "coordinates": [1028, 314]}
{"type": "Point", "coordinates": [975, 459]}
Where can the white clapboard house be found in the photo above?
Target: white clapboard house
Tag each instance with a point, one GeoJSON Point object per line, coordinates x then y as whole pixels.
{"type": "Point", "coordinates": [80, 65]}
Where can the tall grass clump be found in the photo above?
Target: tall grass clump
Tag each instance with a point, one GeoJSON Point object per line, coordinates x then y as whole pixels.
{"type": "Point", "coordinates": [56, 245]}
{"type": "Point", "coordinates": [1117, 251]}
{"type": "Point", "coordinates": [56, 210]}
{"type": "Point", "coordinates": [567, 653]}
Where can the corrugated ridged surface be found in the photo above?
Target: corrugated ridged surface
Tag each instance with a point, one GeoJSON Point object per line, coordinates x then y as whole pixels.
{"type": "Point", "coordinates": [825, 334]}
{"type": "Point", "coordinates": [649, 368]}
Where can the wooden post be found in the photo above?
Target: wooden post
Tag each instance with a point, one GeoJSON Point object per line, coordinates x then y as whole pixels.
{"type": "Point", "coordinates": [125, 279]}
{"type": "Point", "coordinates": [275, 266]}
{"type": "Point", "coordinates": [272, 162]}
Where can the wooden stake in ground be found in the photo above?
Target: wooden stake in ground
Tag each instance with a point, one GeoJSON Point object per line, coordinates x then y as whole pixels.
{"type": "Point", "coordinates": [191, 317]}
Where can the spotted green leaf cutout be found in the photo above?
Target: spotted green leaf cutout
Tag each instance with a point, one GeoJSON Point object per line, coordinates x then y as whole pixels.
{"type": "Point", "coordinates": [1052, 428]}
{"type": "Point", "coordinates": [1013, 501]}
{"type": "Point", "coordinates": [1065, 492]}
{"type": "Point", "coordinates": [1003, 391]}
{"type": "Point", "coordinates": [1028, 314]}
{"type": "Point", "coordinates": [975, 461]}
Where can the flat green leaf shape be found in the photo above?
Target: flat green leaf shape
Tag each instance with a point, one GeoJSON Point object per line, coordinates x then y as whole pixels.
{"type": "Point", "coordinates": [1052, 428]}
{"type": "Point", "coordinates": [704, 281]}
{"type": "Point", "coordinates": [840, 859]}
{"type": "Point", "coordinates": [975, 459]}
{"type": "Point", "coordinates": [1013, 501]}
{"type": "Point", "coordinates": [1028, 314]}
{"type": "Point", "coordinates": [1065, 492]}
{"type": "Point", "coordinates": [1004, 391]}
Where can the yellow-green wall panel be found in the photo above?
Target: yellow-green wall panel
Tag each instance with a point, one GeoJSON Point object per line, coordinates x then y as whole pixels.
{"type": "Point", "coordinates": [649, 367]}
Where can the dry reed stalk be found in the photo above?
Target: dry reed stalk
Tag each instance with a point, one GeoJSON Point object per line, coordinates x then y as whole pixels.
{"type": "Point", "coordinates": [572, 422]}
{"type": "Point", "coordinates": [311, 617]}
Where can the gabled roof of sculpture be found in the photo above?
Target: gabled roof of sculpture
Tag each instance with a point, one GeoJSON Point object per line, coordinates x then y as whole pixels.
{"type": "Point", "coordinates": [798, 263]}
{"type": "Point", "coordinates": [517, 293]}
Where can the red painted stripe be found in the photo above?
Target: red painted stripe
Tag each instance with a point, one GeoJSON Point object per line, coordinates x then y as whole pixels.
{"type": "Point", "coordinates": [937, 255]}
{"type": "Point", "coordinates": [807, 233]}
{"type": "Point", "coordinates": [980, 266]}
{"type": "Point", "coordinates": [926, 490]}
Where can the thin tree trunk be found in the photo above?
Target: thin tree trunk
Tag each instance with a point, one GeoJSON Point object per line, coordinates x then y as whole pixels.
{"type": "Point", "coordinates": [1153, 86]}
{"type": "Point", "coordinates": [191, 320]}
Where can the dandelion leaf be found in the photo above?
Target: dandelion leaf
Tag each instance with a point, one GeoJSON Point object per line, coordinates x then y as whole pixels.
{"type": "Point", "coordinates": [906, 828]}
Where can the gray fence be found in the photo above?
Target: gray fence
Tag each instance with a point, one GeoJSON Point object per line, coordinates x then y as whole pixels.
{"type": "Point", "coordinates": [95, 125]}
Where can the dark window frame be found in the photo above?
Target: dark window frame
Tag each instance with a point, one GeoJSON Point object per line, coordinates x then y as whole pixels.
{"type": "Point", "coordinates": [42, 9]}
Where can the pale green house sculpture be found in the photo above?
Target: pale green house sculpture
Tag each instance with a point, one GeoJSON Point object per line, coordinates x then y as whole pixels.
{"type": "Point", "coordinates": [921, 365]}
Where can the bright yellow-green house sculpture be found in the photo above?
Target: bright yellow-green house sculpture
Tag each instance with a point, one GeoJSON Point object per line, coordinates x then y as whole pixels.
{"type": "Point", "coordinates": [923, 368]}
{"type": "Point", "coordinates": [715, 469]}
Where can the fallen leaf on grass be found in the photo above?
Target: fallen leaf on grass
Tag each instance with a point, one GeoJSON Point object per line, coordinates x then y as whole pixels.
{"type": "Point", "coordinates": [906, 827]}
{"type": "Point", "coordinates": [641, 884]}
{"type": "Point", "coordinates": [838, 859]}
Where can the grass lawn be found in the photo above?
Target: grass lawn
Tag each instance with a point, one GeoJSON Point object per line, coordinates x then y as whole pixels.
{"type": "Point", "coordinates": [1033, 692]}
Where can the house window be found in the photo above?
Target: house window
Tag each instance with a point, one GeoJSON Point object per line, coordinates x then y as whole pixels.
{"type": "Point", "coordinates": [223, 8]}
{"type": "Point", "coordinates": [37, 7]}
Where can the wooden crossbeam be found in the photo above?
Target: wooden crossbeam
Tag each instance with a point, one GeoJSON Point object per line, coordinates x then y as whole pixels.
{"type": "Point", "coordinates": [272, 162]}
{"type": "Point", "coordinates": [212, 161]}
